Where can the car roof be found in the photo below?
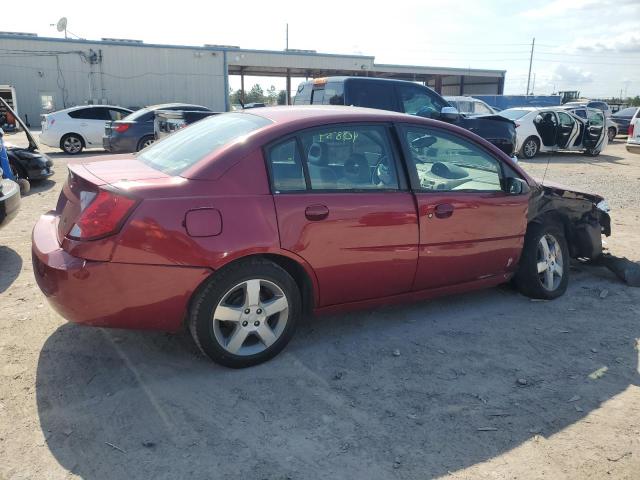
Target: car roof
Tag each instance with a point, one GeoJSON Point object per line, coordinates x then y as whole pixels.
{"type": "Point", "coordinates": [461, 97]}
{"type": "Point", "coordinates": [329, 113]}
{"type": "Point", "coordinates": [169, 105]}
{"type": "Point", "coordinates": [79, 107]}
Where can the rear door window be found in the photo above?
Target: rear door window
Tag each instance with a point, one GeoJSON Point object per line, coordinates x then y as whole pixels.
{"type": "Point", "coordinates": [285, 166]}
{"type": "Point", "coordinates": [91, 113]}
{"type": "Point", "coordinates": [371, 94]}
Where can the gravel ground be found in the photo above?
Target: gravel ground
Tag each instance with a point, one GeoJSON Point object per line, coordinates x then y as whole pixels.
{"type": "Point", "coordinates": [486, 385]}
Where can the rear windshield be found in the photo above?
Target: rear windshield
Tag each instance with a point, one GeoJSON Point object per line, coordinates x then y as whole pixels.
{"type": "Point", "coordinates": [514, 114]}
{"type": "Point", "coordinates": [183, 149]}
{"type": "Point", "coordinates": [139, 115]}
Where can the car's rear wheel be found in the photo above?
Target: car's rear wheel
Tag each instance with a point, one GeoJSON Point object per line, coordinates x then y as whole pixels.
{"type": "Point", "coordinates": [611, 133]}
{"type": "Point", "coordinates": [544, 266]}
{"type": "Point", "coordinates": [145, 142]}
{"type": "Point", "coordinates": [71, 144]}
{"type": "Point", "coordinates": [246, 314]}
{"type": "Point", "coordinates": [530, 147]}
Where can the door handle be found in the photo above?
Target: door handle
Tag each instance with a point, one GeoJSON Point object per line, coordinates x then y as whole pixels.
{"type": "Point", "coordinates": [316, 212]}
{"type": "Point", "coordinates": [444, 210]}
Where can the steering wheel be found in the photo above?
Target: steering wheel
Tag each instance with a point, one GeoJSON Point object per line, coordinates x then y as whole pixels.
{"type": "Point", "coordinates": [383, 173]}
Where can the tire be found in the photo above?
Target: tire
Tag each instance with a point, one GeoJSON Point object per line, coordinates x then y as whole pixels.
{"type": "Point", "coordinates": [611, 134]}
{"type": "Point", "coordinates": [21, 179]}
{"type": "Point", "coordinates": [145, 142]}
{"type": "Point", "coordinates": [529, 279]}
{"type": "Point", "coordinates": [530, 147]}
{"type": "Point", "coordinates": [249, 335]}
{"type": "Point", "coordinates": [590, 152]}
{"type": "Point", "coordinates": [72, 144]}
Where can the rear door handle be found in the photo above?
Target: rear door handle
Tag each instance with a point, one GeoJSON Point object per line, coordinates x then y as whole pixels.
{"type": "Point", "coordinates": [444, 210]}
{"type": "Point", "coordinates": [316, 212]}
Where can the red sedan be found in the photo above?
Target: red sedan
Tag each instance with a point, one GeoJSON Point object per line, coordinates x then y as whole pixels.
{"type": "Point", "coordinates": [241, 223]}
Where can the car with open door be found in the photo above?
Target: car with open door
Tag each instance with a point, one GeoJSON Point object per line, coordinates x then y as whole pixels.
{"type": "Point", "coordinates": [240, 224]}
{"type": "Point", "coordinates": [405, 97]}
{"type": "Point", "coordinates": [553, 129]}
{"type": "Point", "coordinates": [27, 163]}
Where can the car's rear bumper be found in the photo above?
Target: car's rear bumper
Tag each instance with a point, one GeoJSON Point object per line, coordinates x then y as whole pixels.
{"type": "Point", "coordinates": [109, 294]}
{"type": "Point", "coordinates": [633, 147]}
{"type": "Point", "coordinates": [9, 201]}
{"type": "Point", "coordinates": [119, 144]}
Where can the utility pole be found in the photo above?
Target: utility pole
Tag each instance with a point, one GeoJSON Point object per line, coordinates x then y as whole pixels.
{"type": "Point", "coordinates": [530, 62]}
{"type": "Point", "coordinates": [287, 40]}
{"type": "Point", "coordinates": [533, 87]}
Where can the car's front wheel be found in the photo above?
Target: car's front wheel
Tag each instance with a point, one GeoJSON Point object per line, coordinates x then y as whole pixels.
{"type": "Point", "coordinates": [71, 144]}
{"type": "Point", "coordinates": [544, 265]}
{"type": "Point", "coordinates": [246, 314]}
{"type": "Point", "coordinates": [530, 147]}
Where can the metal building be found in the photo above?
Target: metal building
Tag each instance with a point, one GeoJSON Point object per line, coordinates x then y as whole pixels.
{"type": "Point", "coordinates": [53, 73]}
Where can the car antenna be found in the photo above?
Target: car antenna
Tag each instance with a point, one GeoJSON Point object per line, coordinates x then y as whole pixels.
{"type": "Point", "coordinates": [546, 168]}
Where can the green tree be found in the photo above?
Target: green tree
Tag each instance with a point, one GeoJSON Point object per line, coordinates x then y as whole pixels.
{"type": "Point", "coordinates": [272, 95]}
{"type": "Point", "coordinates": [255, 95]}
{"type": "Point", "coordinates": [635, 101]}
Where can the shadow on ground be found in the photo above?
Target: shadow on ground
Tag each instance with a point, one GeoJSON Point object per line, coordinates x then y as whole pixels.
{"type": "Point", "coordinates": [10, 267]}
{"type": "Point", "coordinates": [572, 158]}
{"type": "Point", "coordinates": [337, 403]}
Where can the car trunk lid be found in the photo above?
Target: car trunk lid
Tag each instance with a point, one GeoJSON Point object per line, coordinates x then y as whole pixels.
{"type": "Point", "coordinates": [87, 180]}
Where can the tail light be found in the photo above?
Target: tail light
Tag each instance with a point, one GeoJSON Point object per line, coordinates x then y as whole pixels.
{"type": "Point", "coordinates": [121, 127]}
{"type": "Point", "coordinates": [517, 124]}
{"type": "Point", "coordinates": [630, 130]}
{"type": "Point", "coordinates": [53, 120]}
{"type": "Point", "coordinates": [102, 214]}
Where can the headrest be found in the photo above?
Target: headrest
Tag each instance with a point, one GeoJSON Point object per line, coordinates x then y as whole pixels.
{"type": "Point", "coordinates": [317, 154]}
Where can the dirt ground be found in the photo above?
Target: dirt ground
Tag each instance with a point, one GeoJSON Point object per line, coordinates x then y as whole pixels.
{"type": "Point", "coordinates": [488, 385]}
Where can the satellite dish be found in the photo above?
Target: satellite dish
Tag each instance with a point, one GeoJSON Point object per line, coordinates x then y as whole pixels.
{"type": "Point", "coordinates": [62, 24]}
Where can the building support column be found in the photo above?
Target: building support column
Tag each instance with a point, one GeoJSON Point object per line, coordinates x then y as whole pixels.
{"type": "Point", "coordinates": [461, 84]}
{"type": "Point", "coordinates": [439, 84]}
{"type": "Point", "coordinates": [242, 85]}
{"type": "Point", "coordinates": [288, 88]}
{"type": "Point", "coordinates": [501, 86]}
{"type": "Point", "coordinates": [225, 68]}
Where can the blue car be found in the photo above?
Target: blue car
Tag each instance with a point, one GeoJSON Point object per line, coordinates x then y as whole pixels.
{"type": "Point", "coordinates": [135, 132]}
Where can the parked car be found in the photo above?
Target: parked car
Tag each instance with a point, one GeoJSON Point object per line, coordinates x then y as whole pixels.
{"type": "Point", "coordinates": [551, 129]}
{"type": "Point", "coordinates": [633, 138]}
{"type": "Point", "coordinates": [168, 121]}
{"type": "Point", "coordinates": [407, 97]}
{"type": "Point", "coordinates": [9, 190]}
{"type": "Point", "coordinates": [136, 131]}
{"type": "Point", "coordinates": [27, 164]}
{"type": "Point", "coordinates": [582, 112]}
{"type": "Point", "coordinates": [9, 200]}
{"type": "Point", "coordinates": [623, 118]}
{"type": "Point", "coordinates": [243, 222]}
{"type": "Point", "coordinates": [77, 128]}
{"type": "Point", "coordinates": [470, 106]}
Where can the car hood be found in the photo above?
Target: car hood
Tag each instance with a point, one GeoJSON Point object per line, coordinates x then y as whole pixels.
{"type": "Point", "coordinates": [569, 192]}
{"type": "Point", "coordinates": [33, 145]}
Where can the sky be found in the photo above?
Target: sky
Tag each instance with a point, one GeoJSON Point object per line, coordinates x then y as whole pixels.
{"type": "Point", "coordinates": [587, 45]}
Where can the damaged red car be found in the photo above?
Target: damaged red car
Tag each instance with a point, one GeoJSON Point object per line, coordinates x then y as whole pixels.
{"type": "Point", "coordinates": [240, 224]}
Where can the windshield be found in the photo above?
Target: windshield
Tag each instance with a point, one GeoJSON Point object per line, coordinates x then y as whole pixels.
{"type": "Point", "coordinates": [514, 114]}
{"type": "Point", "coordinates": [183, 149]}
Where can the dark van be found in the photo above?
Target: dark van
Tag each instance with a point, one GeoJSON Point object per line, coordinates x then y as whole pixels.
{"type": "Point", "coordinates": [406, 97]}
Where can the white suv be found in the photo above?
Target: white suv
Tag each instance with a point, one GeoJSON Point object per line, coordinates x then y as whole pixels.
{"type": "Point", "coordinates": [633, 140]}
{"type": "Point", "coordinates": [76, 128]}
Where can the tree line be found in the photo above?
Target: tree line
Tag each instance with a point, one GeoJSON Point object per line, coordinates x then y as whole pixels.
{"type": "Point", "coordinates": [257, 95]}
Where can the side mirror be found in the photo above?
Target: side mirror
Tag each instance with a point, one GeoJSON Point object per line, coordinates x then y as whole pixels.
{"type": "Point", "coordinates": [516, 186]}
{"type": "Point", "coordinates": [449, 114]}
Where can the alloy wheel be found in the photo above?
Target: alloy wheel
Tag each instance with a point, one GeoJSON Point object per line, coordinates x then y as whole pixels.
{"type": "Point", "coordinates": [147, 142]}
{"type": "Point", "coordinates": [550, 262]}
{"type": "Point", "coordinates": [250, 317]}
{"type": "Point", "coordinates": [530, 148]}
{"type": "Point", "coordinates": [72, 145]}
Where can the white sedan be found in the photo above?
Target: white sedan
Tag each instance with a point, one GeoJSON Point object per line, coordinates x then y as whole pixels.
{"type": "Point", "coordinates": [76, 128]}
{"type": "Point", "coordinates": [551, 129]}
